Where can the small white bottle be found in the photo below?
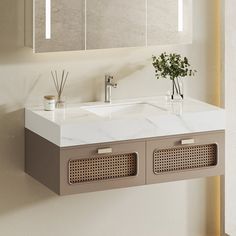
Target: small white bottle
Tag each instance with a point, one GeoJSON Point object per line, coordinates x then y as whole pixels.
{"type": "Point", "coordinates": [49, 103]}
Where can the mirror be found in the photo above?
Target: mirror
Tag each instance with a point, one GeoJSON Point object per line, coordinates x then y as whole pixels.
{"type": "Point", "coordinates": [169, 22]}
{"type": "Point", "coordinates": [65, 25]}
{"type": "Point", "coordinates": [116, 23]}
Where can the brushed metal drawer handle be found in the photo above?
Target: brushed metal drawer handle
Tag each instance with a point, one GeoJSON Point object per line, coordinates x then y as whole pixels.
{"type": "Point", "coordinates": [104, 150]}
{"type": "Point", "coordinates": [187, 141]}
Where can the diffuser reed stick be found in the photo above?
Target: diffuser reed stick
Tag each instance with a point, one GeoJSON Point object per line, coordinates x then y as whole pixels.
{"type": "Point", "coordinates": [59, 84]}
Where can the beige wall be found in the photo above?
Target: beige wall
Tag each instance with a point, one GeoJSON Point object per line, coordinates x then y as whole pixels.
{"type": "Point", "coordinates": [230, 100]}
{"type": "Point", "coordinates": [185, 208]}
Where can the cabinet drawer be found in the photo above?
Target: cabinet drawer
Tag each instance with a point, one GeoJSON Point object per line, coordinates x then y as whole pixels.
{"type": "Point", "coordinates": [185, 157]}
{"type": "Point", "coordinates": [101, 167]}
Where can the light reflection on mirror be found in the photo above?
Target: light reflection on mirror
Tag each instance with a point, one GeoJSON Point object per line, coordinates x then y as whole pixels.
{"type": "Point", "coordinates": [48, 19]}
{"type": "Point", "coordinates": [180, 15]}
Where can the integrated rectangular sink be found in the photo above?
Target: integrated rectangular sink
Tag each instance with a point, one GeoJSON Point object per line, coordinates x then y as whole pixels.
{"type": "Point", "coordinates": [125, 109]}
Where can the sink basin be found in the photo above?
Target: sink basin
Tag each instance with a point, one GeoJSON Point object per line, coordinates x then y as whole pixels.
{"type": "Point", "coordinates": [123, 109]}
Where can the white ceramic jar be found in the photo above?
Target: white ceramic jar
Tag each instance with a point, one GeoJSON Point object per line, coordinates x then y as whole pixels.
{"type": "Point", "coordinates": [49, 103]}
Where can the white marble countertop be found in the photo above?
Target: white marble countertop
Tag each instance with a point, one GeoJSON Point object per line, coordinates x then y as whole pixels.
{"type": "Point", "coordinates": [156, 117]}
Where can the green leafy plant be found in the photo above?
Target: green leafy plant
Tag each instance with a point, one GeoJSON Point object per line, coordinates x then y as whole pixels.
{"type": "Point", "coordinates": [172, 66]}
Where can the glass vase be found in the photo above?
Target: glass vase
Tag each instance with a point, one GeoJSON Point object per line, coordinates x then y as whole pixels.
{"type": "Point", "coordinates": [177, 89]}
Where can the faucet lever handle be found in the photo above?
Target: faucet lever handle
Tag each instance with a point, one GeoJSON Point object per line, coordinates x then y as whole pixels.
{"type": "Point", "coordinates": [108, 78]}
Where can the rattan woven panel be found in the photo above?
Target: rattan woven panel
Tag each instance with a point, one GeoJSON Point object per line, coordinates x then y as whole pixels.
{"type": "Point", "coordinates": [185, 158]}
{"type": "Point", "coordinates": [102, 168]}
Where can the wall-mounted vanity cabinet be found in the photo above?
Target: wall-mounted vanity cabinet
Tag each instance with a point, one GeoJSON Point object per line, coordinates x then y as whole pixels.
{"type": "Point", "coordinates": [66, 25]}
{"type": "Point", "coordinates": [80, 150]}
{"type": "Point", "coordinates": [104, 166]}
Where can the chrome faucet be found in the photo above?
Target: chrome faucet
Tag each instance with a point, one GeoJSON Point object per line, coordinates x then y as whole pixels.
{"type": "Point", "coordinates": [108, 87]}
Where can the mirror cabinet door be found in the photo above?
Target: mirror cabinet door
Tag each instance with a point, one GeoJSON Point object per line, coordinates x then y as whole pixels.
{"type": "Point", "coordinates": [59, 25]}
{"type": "Point", "coordinates": [169, 22]}
{"type": "Point", "coordinates": [116, 23]}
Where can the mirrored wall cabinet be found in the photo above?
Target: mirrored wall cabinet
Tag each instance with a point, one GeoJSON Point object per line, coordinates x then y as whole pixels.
{"type": "Point", "coordinates": [66, 25]}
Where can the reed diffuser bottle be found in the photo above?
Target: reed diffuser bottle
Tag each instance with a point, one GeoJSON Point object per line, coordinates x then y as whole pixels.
{"type": "Point", "coordinates": [60, 85]}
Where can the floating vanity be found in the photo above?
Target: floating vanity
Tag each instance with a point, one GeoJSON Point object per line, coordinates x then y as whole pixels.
{"type": "Point", "coordinates": [98, 146]}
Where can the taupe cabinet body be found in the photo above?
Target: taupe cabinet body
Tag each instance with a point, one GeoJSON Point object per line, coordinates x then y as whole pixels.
{"type": "Point", "coordinates": [98, 24]}
{"type": "Point", "coordinates": [124, 164]}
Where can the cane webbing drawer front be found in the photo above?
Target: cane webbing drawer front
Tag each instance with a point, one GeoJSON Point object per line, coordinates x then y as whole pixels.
{"type": "Point", "coordinates": [184, 158]}
{"type": "Point", "coordinates": [102, 168]}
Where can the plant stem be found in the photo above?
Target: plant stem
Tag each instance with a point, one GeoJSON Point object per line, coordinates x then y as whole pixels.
{"type": "Point", "coordinates": [177, 81]}
{"type": "Point", "coordinates": [173, 90]}
{"type": "Point", "coordinates": [180, 93]}
{"type": "Point", "coordinates": [175, 86]}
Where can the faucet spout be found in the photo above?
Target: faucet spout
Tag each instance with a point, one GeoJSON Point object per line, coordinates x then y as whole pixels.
{"type": "Point", "coordinates": [108, 87]}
